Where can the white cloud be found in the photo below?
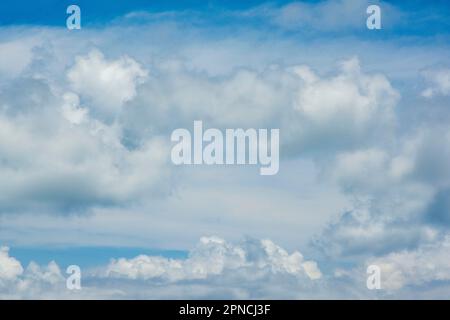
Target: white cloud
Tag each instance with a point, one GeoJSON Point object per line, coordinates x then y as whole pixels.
{"type": "Point", "coordinates": [15, 56]}
{"type": "Point", "coordinates": [417, 162]}
{"type": "Point", "coordinates": [351, 95]}
{"type": "Point", "coordinates": [427, 263]}
{"type": "Point", "coordinates": [60, 157]}
{"type": "Point", "coordinates": [10, 268]}
{"type": "Point", "coordinates": [218, 269]}
{"type": "Point", "coordinates": [252, 268]}
{"type": "Point", "coordinates": [107, 84]}
{"type": "Point", "coordinates": [343, 110]}
{"type": "Point", "coordinates": [215, 257]}
{"type": "Point", "coordinates": [71, 108]}
{"type": "Point", "coordinates": [399, 195]}
{"type": "Point", "coordinates": [92, 135]}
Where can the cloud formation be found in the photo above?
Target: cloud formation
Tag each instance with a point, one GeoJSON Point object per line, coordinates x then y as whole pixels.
{"type": "Point", "coordinates": [428, 263]}
{"type": "Point", "coordinates": [214, 257]}
{"type": "Point", "coordinates": [85, 125]}
{"type": "Point", "coordinates": [213, 265]}
{"type": "Point", "coordinates": [10, 268]}
{"type": "Point", "coordinates": [106, 85]}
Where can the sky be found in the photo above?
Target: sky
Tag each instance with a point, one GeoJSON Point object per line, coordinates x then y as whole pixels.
{"type": "Point", "coordinates": [86, 178]}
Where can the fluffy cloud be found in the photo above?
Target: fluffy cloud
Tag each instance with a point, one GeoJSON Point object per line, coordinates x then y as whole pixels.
{"type": "Point", "coordinates": [32, 282]}
{"type": "Point", "coordinates": [417, 267]}
{"type": "Point", "coordinates": [10, 268]}
{"type": "Point", "coordinates": [378, 232]}
{"type": "Point", "coordinates": [346, 109]}
{"type": "Point", "coordinates": [418, 162]}
{"type": "Point", "coordinates": [71, 109]}
{"type": "Point", "coordinates": [215, 257]}
{"type": "Point", "coordinates": [82, 128]}
{"type": "Point", "coordinates": [216, 268]}
{"type": "Point", "coordinates": [55, 155]}
{"type": "Point", "coordinates": [94, 148]}
{"type": "Point", "coordinates": [399, 195]}
{"type": "Point", "coordinates": [106, 84]}
{"type": "Point", "coordinates": [253, 268]}
{"type": "Point", "coordinates": [85, 172]}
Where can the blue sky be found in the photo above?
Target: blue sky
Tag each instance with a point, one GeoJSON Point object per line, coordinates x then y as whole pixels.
{"type": "Point", "coordinates": [420, 17]}
{"type": "Point", "coordinates": [85, 124]}
{"type": "Point", "coordinates": [17, 12]}
{"type": "Point", "coordinates": [85, 257]}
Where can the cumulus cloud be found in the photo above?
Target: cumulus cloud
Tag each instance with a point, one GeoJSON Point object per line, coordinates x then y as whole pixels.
{"type": "Point", "coordinates": [214, 265]}
{"type": "Point", "coordinates": [428, 263]}
{"type": "Point", "coordinates": [314, 112]}
{"type": "Point", "coordinates": [83, 172]}
{"type": "Point", "coordinates": [399, 195]}
{"type": "Point", "coordinates": [82, 128]}
{"type": "Point", "coordinates": [31, 282]}
{"type": "Point", "coordinates": [416, 162]}
{"type": "Point", "coordinates": [10, 268]}
{"type": "Point", "coordinates": [106, 84]}
{"type": "Point", "coordinates": [95, 150]}
{"type": "Point", "coordinates": [72, 110]}
{"type": "Point", "coordinates": [219, 269]}
{"type": "Point", "coordinates": [378, 232]}
{"type": "Point", "coordinates": [55, 155]}
{"type": "Point", "coordinates": [345, 110]}
{"type": "Point", "coordinates": [215, 257]}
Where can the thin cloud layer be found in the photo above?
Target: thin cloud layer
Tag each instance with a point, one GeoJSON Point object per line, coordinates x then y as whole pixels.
{"type": "Point", "coordinates": [438, 81]}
